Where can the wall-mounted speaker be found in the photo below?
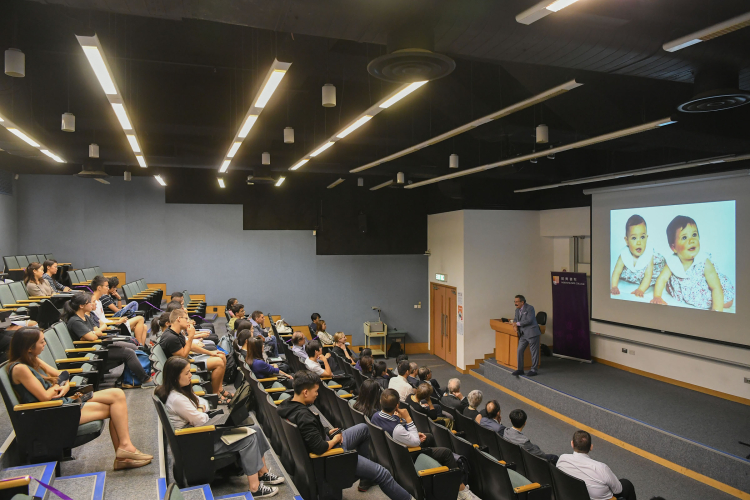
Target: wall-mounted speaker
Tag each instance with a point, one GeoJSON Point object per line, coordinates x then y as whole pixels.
{"type": "Point", "coordinates": [362, 223]}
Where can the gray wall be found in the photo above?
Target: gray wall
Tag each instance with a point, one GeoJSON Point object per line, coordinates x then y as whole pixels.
{"type": "Point", "coordinates": [8, 225]}
{"type": "Point", "coordinates": [127, 226]}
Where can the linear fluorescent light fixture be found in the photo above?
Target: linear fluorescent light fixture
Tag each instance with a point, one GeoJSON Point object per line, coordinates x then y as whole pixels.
{"type": "Point", "coordinates": [538, 154]}
{"type": "Point", "coordinates": [280, 181]}
{"type": "Point", "coordinates": [271, 82]}
{"type": "Point", "coordinates": [542, 9]}
{"type": "Point", "coordinates": [401, 92]}
{"type": "Point", "coordinates": [513, 108]}
{"type": "Point", "coordinates": [380, 186]}
{"type": "Point", "coordinates": [354, 126]}
{"type": "Point", "coordinates": [299, 164]}
{"type": "Point", "coordinates": [221, 183]}
{"type": "Point", "coordinates": [97, 58]}
{"type": "Point", "coordinates": [715, 31]}
{"type": "Point", "coordinates": [321, 149]}
{"type": "Point", "coordinates": [640, 171]}
{"type": "Point", "coordinates": [335, 183]}
{"type": "Point", "coordinates": [160, 180]}
{"type": "Point", "coordinates": [15, 130]}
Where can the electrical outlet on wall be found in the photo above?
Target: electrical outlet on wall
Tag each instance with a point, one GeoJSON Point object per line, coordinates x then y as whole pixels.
{"type": "Point", "coordinates": [625, 350]}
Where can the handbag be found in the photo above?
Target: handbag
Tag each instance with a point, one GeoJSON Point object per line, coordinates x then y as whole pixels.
{"type": "Point", "coordinates": [282, 327]}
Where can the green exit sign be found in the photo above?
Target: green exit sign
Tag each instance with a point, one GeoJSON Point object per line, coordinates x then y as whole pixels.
{"type": "Point", "coordinates": [441, 277]}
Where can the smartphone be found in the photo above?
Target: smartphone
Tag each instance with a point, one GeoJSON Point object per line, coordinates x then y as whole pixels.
{"type": "Point", "coordinates": [63, 377]}
{"type": "Point", "coordinates": [338, 431]}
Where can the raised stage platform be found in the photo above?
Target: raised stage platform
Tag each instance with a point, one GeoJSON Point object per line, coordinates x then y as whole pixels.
{"type": "Point", "coordinates": [694, 430]}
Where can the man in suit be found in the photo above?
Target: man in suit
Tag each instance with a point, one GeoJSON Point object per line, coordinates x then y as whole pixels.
{"type": "Point", "coordinates": [524, 322]}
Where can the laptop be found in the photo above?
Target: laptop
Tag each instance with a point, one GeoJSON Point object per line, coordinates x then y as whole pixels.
{"type": "Point", "coordinates": [237, 417]}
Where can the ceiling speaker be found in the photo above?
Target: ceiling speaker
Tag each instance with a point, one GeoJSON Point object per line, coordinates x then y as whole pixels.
{"type": "Point", "coordinates": [715, 90]}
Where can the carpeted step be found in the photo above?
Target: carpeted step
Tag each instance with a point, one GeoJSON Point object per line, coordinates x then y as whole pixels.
{"type": "Point", "coordinates": [83, 486]}
{"type": "Point", "coordinates": [44, 472]}
{"type": "Point", "coordinates": [202, 492]}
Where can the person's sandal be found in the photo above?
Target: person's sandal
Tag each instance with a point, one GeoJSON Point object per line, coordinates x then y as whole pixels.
{"type": "Point", "coordinates": [226, 395]}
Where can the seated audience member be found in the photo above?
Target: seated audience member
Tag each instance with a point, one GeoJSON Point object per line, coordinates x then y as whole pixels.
{"type": "Point", "coordinates": [515, 435]}
{"type": "Point", "coordinates": [421, 401]}
{"type": "Point", "coordinates": [368, 400]}
{"type": "Point", "coordinates": [315, 357]}
{"type": "Point", "coordinates": [399, 359]}
{"type": "Point", "coordinates": [453, 397]}
{"type": "Point", "coordinates": [341, 349]}
{"type": "Point", "coordinates": [180, 297]}
{"type": "Point", "coordinates": [253, 346]}
{"type": "Point", "coordinates": [475, 399]}
{"type": "Point", "coordinates": [492, 418]}
{"type": "Point", "coordinates": [77, 315]}
{"type": "Point", "coordinates": [366, 351]}
{"type": "Point", "coordinates": [381, 374]}
{"type": "Point", "coordinates": [201, 333]}
{"type": "Point", "coordinates": [230, 303]}
{"type": "Point", "coordinates": [398, 424]}
{"type": "Point", "coordinates": [185, 409]}
{"type": "Point", "coordinates": [50, 271]}
{"type": "Point", "coordinates": [365, 366]}
{"type": "Point", "coordinates": [238, 312]}
{"type": "Point", "coordinates": [298, 346]}
{"type": "Point", "coordinates": [36, 286]}
{"type": "Point", "coordinates": [600, 481]}
{"type": "Point", "coordinates": [319, 439]}
{"type": "Point", "coordinates": [323, 336]}
{"type": "Point", "coordinates": [175, 343]}
{"type": "Point", "coordinates": [402, 386]}
{"type": "Point", "coordinates": [425, 375]}
{"type": "Point", "coordinates": [315, 317]}
{"type": "Point", "coordinates": [100, 288]}
{"type": "Point", "coordinates": [411, 377]}
{"type": "Point", "coordinates": [257, 319]}
{"type": "Point", "coordinates": [34, 381]}
{"type": "Point", "coordinates": [111, 302]}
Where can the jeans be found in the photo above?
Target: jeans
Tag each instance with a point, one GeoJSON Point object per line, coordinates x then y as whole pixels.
{"type": "Point", "coordinates": [358, 438]}
{"type": "Point", "coordinates": [271, 340]}
{"type": "Point", "coordinates": [130, 307]}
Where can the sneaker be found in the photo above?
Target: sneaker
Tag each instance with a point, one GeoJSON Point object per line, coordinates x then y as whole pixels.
{"type": "Point", "coordinates": [264, 491]}
{"type": "Point", "coordinates": [148, 384]}
{"type": "Point", "coordinates": [271, 478]}
{"type": "Point", "coordinates": [466, 494]}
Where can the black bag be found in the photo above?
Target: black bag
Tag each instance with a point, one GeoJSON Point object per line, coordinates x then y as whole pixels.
{"type": "Point", "coordinates": [395, 350]}
{"type": "Point", "coordinates": [243, 398]}
{"type": "Point", "coordinates": [230, 372]}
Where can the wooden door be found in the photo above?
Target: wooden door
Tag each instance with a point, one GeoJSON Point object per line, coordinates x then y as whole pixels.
{"type": "Point", "coordinates": [437, 323]}
{"type": "Point", "coordinates": [443, 317]}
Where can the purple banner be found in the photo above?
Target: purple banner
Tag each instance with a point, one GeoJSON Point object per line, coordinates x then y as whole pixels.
{"type": "Point", "coordinates": [570, 310]}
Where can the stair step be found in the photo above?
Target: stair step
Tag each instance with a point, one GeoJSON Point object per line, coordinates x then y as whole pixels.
{"type": "Point", "coordinates": [237, 496]}
{"type": "Point", "coordinates": [202, 492]}
{"type": "Point", "coordinates": [44, 472]}
{"type": "Point", "coordinates": [83, 486]}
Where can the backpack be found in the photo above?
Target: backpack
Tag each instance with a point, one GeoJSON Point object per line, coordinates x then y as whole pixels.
{"type": "Point", "coordinates": [395, 350]}
{"type": "Point", "coordinates": [129, 378]}
{"type": "Point", "coordinates": [230, 372]}
{"type": "Point", "coordinates": [243, 397]}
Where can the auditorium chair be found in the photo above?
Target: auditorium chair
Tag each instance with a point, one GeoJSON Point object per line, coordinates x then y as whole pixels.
{"type": "Point", "coordinates": [490, 439]}
{"type": "Point", "coordinates": [346, 416]}
{"type": "Point", "coordinates": [424, 478]}
{"type": "Point", "coordinates": [82, 375]}
{"type": "Point", "coordinates": [48, 430]}
{"type": "Point", "coordinates": [90, 351]}
{"type": "Point", "coordinates": [357, 416]}
{"type": "Point", "coordinates": [421, 421]}
{"type": "Point", "coordinates": [193, 451]}
{"type": "Point", "coordinates": [16, 488]}
{"type": "Point", "coordinates": [90, 367]}
{"type": "Point", "coordinates": [469, 427]}
{"type": "Point", "coordinates": [13, 268]}
{"type": "Point", "coordinates": [380, 446]}
{"type": "Point", "coordinates": [462, 447]}
{"type": "Point", "coordinates": [568, 487]}
{"type": "Point", "coordinates": [89, 273]}
{"type": "Point", "coordinates": [441, 435]}
{"type": "Point", "coordinates": [511, 452]}
{"type": "Point", "coordinates": [23, 261]}
{"type": "Point", "coordinates": [537, 469]}
{"type": "Point", "coordinates": [494, 477]}
{"type": "Point", "coordinates": [8, 301]}
{"type": "Point", "coordinates": [336, 468]}
{"type": "Point", "coordinates": [201, 378]}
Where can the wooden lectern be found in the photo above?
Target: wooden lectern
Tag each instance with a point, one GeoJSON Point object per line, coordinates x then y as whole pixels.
{"type": "Point", "coordinates": [506, 346]}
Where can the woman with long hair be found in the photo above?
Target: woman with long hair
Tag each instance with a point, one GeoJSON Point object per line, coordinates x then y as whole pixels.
{"type": "Point", "coordinates": [380, 372]}
{"type": "Point", "coordinates": [34, 381]}
{"type": "Point", "coordinates": [185, 409]}
{"type": "Point", "coordinates": [341, 349]}
{"type": "Point", "coordinates": [77, 317]}
{"type": "Point", "coordinates": [230, 303]}
{"type": "Point", "coordinates": [159, 323]}
{"type": "Point", "coordinates": [254, 356]}
{"type": "Point", "coordinates": [365, 366]}
{"type": "Point", "coordinates": [321, 334]}
{"type": "Point", "coordinates": [34, 281]}
{"type": "Point", "coordinates": [368, 401]}
{"type": "Point", "coordinates": [50, 270]}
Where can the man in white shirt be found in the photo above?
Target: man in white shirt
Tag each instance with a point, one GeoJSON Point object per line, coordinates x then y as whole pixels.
{"type": "Point", "coordinates": [400, 384]}
{"type": "Point", "coordinates": [315, 355]}
{"type": "Point", "coordinates": [601, 483]}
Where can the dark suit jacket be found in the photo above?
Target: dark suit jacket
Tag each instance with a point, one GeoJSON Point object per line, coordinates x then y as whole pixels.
{"type": "Point", "coordinates": [454, 402]}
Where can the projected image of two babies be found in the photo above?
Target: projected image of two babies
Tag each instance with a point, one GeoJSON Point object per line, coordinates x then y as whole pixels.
{"type": "Point", "coordinates": [681, 274]}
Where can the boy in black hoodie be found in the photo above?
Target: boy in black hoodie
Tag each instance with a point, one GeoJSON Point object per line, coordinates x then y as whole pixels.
{"type": "Point", "coordinates": [318, 438]}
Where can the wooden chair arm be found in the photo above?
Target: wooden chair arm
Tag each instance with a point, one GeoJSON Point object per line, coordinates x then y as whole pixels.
{"type": "Point", "coordinates": [75, 370]}
{"type": "Point", "coordinates": [194, 430]}
{"type": "Point", "coordinates": [412, 449]}
{"type": "Point", "coordinates": [15, 305]}
{"type": "Point", "coordinates": [346, 396]}
{"type": "Point", "coordinates": [430, 472]}
{"type": "Point", "coordinates": [334, 386]}
{"type": "Point", "coordinates": [28, 301]}
{"type": "Point", "coordinates": [199, 393]}
{"type": "Point", "coordinates": [330, 453]}
{"type": "Point", "coordinates": [276, 389]}
{"type": "Point", "coordinates": [82, 349]}
{"type": "Point", "coordinates": [40, 297]}
{"type": "Point", "coordinates": [72, 360]}
{"type": "Point", "coordinates": [40, 404]}
{"type": "Point", "coordinates": [16, 482]}
{"type": "Point", "coordinates": [87, 342]}
{"type": "Point", "coordinates": [279, 401]}
{"type": "Point", "coordinates": [270, 379]}
{"type": "Point", "coordinates": [528, 487]}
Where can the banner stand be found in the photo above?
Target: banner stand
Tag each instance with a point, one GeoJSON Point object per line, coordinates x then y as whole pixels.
{"type": "Point", "coordinates": [570, 312]}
